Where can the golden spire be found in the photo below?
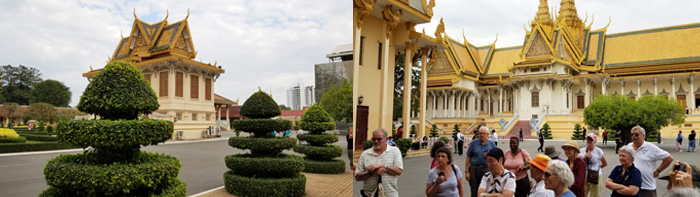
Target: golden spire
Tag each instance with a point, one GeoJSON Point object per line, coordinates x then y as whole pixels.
{"type": "Point", "coordinates": [543, 16]}
{"type": "Point", "coordinates": [568, 15]}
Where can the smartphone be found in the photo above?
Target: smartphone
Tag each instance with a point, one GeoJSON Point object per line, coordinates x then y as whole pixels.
{"type": "Point", "coordinates": [441, 173]}
{"type": "Point", "coordinates": [680, 167]}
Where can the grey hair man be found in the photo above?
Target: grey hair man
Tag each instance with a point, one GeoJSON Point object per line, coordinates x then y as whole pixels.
{"type": "Point", "coordinates": [476, 165]}
{"type": "Point", "coordinates": [645, 160]}
{"type": "Point", "coordinates": [380, 161]}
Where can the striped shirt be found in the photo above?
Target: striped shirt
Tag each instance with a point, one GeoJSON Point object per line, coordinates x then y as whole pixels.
{"type": "Point", "coordinates": [505, 181]}
{"type": "Point", "coordinates": [390, 157]}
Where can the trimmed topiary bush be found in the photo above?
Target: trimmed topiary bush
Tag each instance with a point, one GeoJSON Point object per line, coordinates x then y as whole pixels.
{"type": "Point", "coordinates": [13, 140]}
{"type": "Point", "coordinates": [8, 133]}
{"type": "Point", "coordinates": [368, 144]}
{"type": "Point", "coordinates": [320, 154]}
{"type": "Point", "coordinates": [404, 144]}
{"type": "Point", "coordinates": [115, 166]}
{"type": "Point", "coordinates": [265, 171]}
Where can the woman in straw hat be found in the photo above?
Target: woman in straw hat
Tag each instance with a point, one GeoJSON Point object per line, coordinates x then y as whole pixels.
{"type": "Point", "coordinates": [577, 166]}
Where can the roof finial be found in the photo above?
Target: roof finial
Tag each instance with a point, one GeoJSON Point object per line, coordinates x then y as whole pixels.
{"type": "Point", "coordinates": [542, 16]}
{"type": "Point", "coordinates": [135, 13]}
{"type": "Point", "coordinates": [188, 14]}
{"type": "Point", "coordinates": [121, 34]}
{"type": "Point", "coordinates": [494, 42]}
{"type": "Point", "coordinates": [167, 13]}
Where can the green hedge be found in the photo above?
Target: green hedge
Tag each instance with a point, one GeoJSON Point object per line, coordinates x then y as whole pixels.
{"type": "Point", "coordinates": [247, 186]}
{"type": "Point", "coordinates": [318, 139]}
{"type": "Point", "coordinates": [404, 144]}
{"type": "Point", "coordinates": [249, 165]}
{"type": "Point", "coordinates": [260, 105]}
{"type": "Point", "coordinates": [263, 146]}
{"type": "Point", "coordinates": [174, 187]}
{"type": "Point", "coordinates": [316, 120]}
{"type": "Point", "coordinates": [22, 133]}
{"type": "Point", "coordinates": [114, 134]}
{"type": "Point", "coordinates": [13, 140]}
{"type": "Point", "coordinates": [69, 173]}
{"type": "Point", "coordinates": [368, 144]}
{"type": "Point", "coordinates": [319, 127]}
{"type": "Point", "coordinates": [321, 153]}
{"type": "Point", "coordinates": [41, 138]}
{"type": "Point", "coordinates": [24, 147]}
{"type": "Point", "coordinates": [335, 166]}
{"type": "Point", "coordinates": [262, 127]}
{"type": "Point", "coordinates": [118, 91]}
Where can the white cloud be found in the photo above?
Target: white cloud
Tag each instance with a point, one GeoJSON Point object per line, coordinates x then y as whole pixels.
{"type": "Point", "coordinates": [271, 44]}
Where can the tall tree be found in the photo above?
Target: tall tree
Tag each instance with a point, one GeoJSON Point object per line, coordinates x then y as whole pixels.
{"type": "Point", "coordinates": [18, 82]}
{"type": "Point", "coordinates": [68, 114]}
{"type": "Point", "coordinates": [12, 111]}
{"type": "Point", "coordinates": [42, 112]}
{"type": "Point", "coordinates": [398, 84]}
{"type": "Point", "coordinates": [52, 92]}
{"type": "Point", "coordinates": [338, 101]}
{"type": "Point", "coordinates": [284, 107]}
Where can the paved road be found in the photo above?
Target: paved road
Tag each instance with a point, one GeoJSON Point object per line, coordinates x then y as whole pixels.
{"type": "Point", "coordinates": [202, 166]}
{"type": "Point", "coordinates": [413, 180]}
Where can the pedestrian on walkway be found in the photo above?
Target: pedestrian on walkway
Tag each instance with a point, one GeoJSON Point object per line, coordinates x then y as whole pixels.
{"type": "Point", "coordinates": [625, 179]}
{"type": "Point", "coordinates": [691, 141]}
{"type": "Point", "coordinates": [494, 137]}
{"type": "Point", "coordinates": [380, 163]}
{"type": "Point", "coordinates": [476, 165]}
{"type": "Point", "coordinates": [454, 140]}
{"type": "Point", "coordinates": [460, 142]}
{"type": "Point", "coordinates": [605, 137]}
{"type": "Point", "coordinates": [499, 181]}
{"type": "Point", "coordinates": [516, 161]}
{"type": "Point", "coordinates": [577, 166]}
{"type": "Point", "coordinates": [658, 137]}
{"type": "Point", "coordinates": [433, 152]}
{"type": "Point", "coordinates": [540, 138]}
{"type": "Point", "coordinates": [618, 141]}
{"type": "Point", "coordinates": [595, 162]}
{"type": "Point", "coordinates": [679, 141]}
{"type": "Point", "coordinates": [539, 164]}
{"type": "Point", "coordinates": [521, 134]}
{"type": "Point", "coordinates": [399, 132]}
{"type": "Point", "coordinates": [558, 178]}
{"type": "Point", "coordinates": [584, 133]}
{"type": "Point", "coordinates": [445, 180]}
{"type": "Point", "coordinates": [349, 140]}
{"type": "Point", "coordinates": [645, 157]}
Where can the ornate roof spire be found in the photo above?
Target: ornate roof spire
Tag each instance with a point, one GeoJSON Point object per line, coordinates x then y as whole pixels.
{"type": "Point", "coordinates": [568, 15]}
{"type": "Point", "coordinates": [543, 16]}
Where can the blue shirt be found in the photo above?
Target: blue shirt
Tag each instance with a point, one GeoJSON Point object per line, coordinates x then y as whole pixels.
{"type": "Point", "coordinates": [476, 150]}
{"type": "Point", "coordinates": [631, 177]}
{"type": "Point", "coordinates": [568, 194]}
{"type": "Point", "coordinates": [390, 143]}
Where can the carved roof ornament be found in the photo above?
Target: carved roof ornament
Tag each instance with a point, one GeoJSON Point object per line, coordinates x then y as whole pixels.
{"type": "Point", "coordinates": [543, 17]}
{"type": "Point", "coordinates": [647, 93]}
{"type": "Point", "coordinates": [631, 94]}
{"type": "Point", "coordinates": [429, 7]}
{"type": "Point", "coordinates": [439, 30]}
{"type": "Point", "coordinates": [663, 92]}
{"type": "Point", "coordinates": [697, 91]}
{"type": "Point", "coordinates": [364, 7]}
{"type": "Point", "coordinates": [580, 93]}
{"type": "Point", "coordinates": [680, 90]}
{"type": "Point", "coordinates": [392, 19]}
{"type": "Point", "coordinates": [433, 57]}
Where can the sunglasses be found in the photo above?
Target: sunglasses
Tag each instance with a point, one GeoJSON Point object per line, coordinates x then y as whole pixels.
{"type": "Point", "coordinates": [637, 134]}
{"type": "Point", "coordinates": [377, 139]}
{"type": "Point", "coordinates": [547, 174]}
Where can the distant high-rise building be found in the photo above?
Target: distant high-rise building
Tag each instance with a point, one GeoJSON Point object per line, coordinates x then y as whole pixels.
{"type": "Point", "coordinates": [300, 96]}
{"type": "Point", "coordinates": [335, 71]}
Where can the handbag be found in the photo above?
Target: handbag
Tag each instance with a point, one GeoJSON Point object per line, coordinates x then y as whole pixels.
{"type": "Point", "coordinates": [379, 192]}
{"type": "Point", "coordinates": [591, 175]}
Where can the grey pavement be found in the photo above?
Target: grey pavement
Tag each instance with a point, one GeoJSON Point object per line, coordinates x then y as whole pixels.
{"type": "Point", "coordinates": [202, 165]}
{"type": "Point", "coordinates": [413, 180]}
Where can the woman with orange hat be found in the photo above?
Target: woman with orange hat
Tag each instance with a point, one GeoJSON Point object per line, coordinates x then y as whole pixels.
{"type": "Point", "coordinates": [577, 166]}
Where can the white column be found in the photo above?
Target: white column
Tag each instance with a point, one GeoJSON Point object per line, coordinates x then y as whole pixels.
{"type": "Point", "coordinates": [356, 77]}
{"type": "Point", "coordinates": [435, 104]}
{"type": "Point", "coordinates": [407, 76]}
{"type": "Point", "coordinates": [622, 87]}
{"type": "Point", "coordinates": [604, 85]}
{"type": "Point", "coordinates": [444, 104]}
{"type": "Point", "coordinates": [587, 94]}
{"type": "Point", "coordinates": [673, 87]}
{"type": "Point", "coordinates": [500, 95]}
{"type": "Point", "coordinates": [692, 93]}
{"type": "Point", "coordinates": [639, 88]}
{"type": "Point", "coordinates": [656, 88]}
{"type": "Point", "coordinates": [423, 89]}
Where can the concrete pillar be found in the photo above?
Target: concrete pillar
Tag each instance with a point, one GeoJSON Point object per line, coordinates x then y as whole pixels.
{"type": "Point", "coordinates": [673, 87]}
{"type": "Point", "coordinates": [587, 94]}
{"type": "Point", "coordinates": [639, 88]}
{"type": "Point", "coordinates": [423, 89]}
{"type": "Point", "coordinates": [656, 88]}
{"type": "Point", "coordinates": [356, 77]}
{"type": "Point", "coordinates": [444, 104]}
{"type": "Point", "coordinates": [622, 87]}
{"type": "Point", "coordinates": [407, 75]}
{"type": "Point", "coordinates": [228, 119]}
{"type": "Point", "coordinates": [500, 99]}
{"type": "Point", "coordinates": [692, 93]}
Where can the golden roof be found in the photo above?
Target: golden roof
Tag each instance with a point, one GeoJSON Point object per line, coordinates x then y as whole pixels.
{"type": "Point", "coordinates": [653, 46]}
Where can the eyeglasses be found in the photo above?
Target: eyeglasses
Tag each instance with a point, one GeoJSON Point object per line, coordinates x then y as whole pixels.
{"type": "Point", "coordinates": [637, 134]}
{"type": "Point", "coordinates": [377, 139]}
{"type": "Point", "coordinates": [547, 174]}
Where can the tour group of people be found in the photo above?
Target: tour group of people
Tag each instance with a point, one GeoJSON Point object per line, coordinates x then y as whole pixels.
{"type": "Point", "coordinates": [491, 171]}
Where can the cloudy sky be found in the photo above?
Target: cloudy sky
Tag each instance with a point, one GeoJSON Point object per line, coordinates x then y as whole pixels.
{"type": "Point", "coordinates": [481, 20]}
{"type": "Point", "coordinates": [271, 44]}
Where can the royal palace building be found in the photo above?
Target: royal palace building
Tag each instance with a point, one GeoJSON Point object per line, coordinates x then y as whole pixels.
{"type": "Point", "coordinates": [561, 67]}
{"type": "Point", "coordinates": [165, 53]}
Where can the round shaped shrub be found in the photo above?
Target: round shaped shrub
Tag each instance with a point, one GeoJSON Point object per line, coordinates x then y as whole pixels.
{"type": "Point", "coordinates": [335, 166]}
{"type": "Point", "coordinates": [114, 134]}
{"type": "Point", "coordinates": [174, 187]}
{"type": "Point", "coordinates": [8, 133]}
{"type": "Point", "coordinates": [249, 165]}
{"type": "Point", "coordinates": [247, 186]}
{"type": "Point", "coordinates": [316, 120]}
{"type": "Point", "coordinates": [262, 127]}
{"type": "Point", "coordinates": [260, 105]}
{"type": "Point", "coordinates": [263, 146]}
{"type": "Point", "coordinates": [69, 173]}
{"type": "Point", "coordinates": [318, 139]}
{"type": "Point", "coordinates": [326, 152]}
{"type": "Point", "coordinates": [111, 93]}
{"type": "Point", "coordinates": [13, 140]}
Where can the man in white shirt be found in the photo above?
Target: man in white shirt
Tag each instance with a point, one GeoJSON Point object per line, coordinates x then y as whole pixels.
{"type": "Point", "coordinates": [539, 164]}
{"type": "Point", "coordinates": [494, 137]}
{"type": "Point", "coordinates": [380, 161]}
{"type": "Point", "coordinates": [460, 142]}
{"type": "Point", "coordinates": [645, 160]}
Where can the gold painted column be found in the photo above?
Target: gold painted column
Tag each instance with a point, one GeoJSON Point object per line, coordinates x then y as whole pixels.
{"type": "Point", "coordinates": [407, 76]}
{"type": "Point", "coordinates": [656, 87]}
{"type": "Point", "coordinates": [423, 90]}
{"type": "Point", "coordinates": [639, 88]}
{"type": "Point", "coordinates": [692, 94]}
{"type": "Point", "coordinates": [228, 119]}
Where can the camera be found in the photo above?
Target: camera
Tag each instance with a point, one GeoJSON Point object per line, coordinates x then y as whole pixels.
{"type": "Point", "coordinates": [680, 167]}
